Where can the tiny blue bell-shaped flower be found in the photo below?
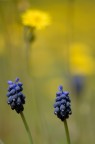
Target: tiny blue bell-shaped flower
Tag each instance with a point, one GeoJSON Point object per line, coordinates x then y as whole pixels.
{"type": "Point", "coordinates": [62, 106]}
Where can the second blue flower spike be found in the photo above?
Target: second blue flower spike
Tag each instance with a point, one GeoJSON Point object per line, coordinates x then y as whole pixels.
{"type": "Point", "coordinates": [62, 106]}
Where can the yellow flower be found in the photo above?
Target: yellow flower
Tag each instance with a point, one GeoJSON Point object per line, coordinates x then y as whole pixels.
{"type": "Point", "coordinates": [81, 61]}
{"type": "Point", "coordinates": [36, 19]}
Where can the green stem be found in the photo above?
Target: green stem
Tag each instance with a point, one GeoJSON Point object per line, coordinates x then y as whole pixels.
{"type": "Point", "coordinates": [26, 126]}
{"type": "Point", "coordinates": [67, 132]}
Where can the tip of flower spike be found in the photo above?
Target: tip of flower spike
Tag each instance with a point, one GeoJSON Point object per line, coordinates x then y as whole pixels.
{"type": "Point", "coordinates": [60, 88]}
{"type": "Point", "coordinates": [17, 79]}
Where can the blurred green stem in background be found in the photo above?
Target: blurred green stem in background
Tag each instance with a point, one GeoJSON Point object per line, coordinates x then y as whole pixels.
{"type": "Point", "coordinates": [29, 38]}
{"type": "Point", "coordinates": [67, 131]}
{"type": "Point", "coordinates": [26, 126]}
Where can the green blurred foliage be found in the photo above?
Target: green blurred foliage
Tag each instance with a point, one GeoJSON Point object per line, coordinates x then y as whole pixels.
{"type": "Point", "coordinates": [47, 67]}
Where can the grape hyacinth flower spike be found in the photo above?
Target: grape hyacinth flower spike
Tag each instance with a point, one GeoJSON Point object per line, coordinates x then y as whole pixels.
{"type": "Point", "coordinates": [16, 100]}
{"type": "Point", "coordinates": [62, 108]}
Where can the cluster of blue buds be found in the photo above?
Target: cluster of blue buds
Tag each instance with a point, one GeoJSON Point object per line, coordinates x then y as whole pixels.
{"type": "Point", "coordinates": [16, 99]}
{"type": "Point", "coordinates": [62, 106]}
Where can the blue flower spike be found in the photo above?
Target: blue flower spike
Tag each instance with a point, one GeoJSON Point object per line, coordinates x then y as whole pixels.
{"type": "Point", "coordinates": [62, 106]}
{"type": "Point", "coordinates": [16, 99]}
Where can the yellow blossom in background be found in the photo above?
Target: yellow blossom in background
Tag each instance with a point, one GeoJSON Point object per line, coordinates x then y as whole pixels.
{"type": "Point", "coordinates": [36, 19]}
{"type": "Point", "coordinates": [81, 61]}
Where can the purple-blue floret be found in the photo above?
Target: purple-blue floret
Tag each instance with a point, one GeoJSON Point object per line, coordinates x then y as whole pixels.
{"type": "Point", "coordinates": [16, 99]}
{"type": "Point", "coordinates": [62, 105]}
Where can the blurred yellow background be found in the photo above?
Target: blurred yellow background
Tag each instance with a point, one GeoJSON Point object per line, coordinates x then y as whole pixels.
{"type": "Point", "coordinates": [60, 52]}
